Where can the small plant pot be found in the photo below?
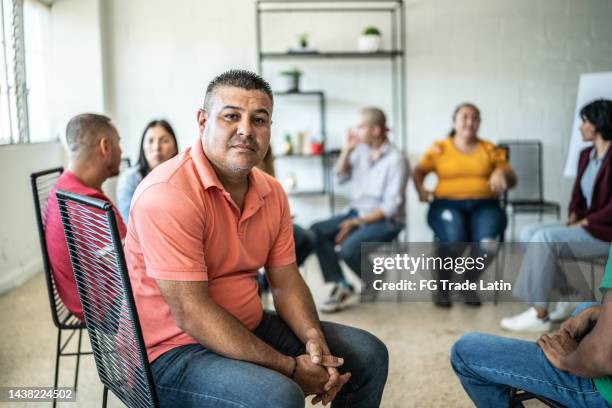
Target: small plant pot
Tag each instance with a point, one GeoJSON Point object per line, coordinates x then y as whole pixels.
{"type": "Point", "coordinates": [369, 43]}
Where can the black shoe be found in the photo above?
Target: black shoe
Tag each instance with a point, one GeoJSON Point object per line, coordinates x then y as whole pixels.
{"type": "Point", "coordinates": [472, 299]}
{"type": "Point", "coordinates": [442, 299]}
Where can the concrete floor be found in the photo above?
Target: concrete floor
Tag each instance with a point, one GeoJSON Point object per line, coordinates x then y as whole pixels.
{"type": "Point", "coordinates": [418, 335]}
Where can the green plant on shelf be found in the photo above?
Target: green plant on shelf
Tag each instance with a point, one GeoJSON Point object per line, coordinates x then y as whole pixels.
{"type": "Point", "coordinates": [293, 79]}
{"type": "Point", "coordinates": [371, 31]}
{"type": "Point", "coordinates": [303, 40]}
{"type": "Point", "coordinates": [293, 72]}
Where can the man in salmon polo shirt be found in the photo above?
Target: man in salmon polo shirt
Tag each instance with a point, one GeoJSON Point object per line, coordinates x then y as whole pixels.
{"type": "Point", "coordinates": [94, 156]}
{"type": "Point", "coordinates": [200, 226]}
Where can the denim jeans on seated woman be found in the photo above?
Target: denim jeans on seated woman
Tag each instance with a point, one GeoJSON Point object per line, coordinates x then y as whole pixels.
{"type": "Point", "coordinates": [466, 221]}
{"type": "Point", "coordinates": [193, 376]}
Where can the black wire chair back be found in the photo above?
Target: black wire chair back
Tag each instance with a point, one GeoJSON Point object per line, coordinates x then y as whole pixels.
{"type": "Point", "coordinates": [105, 291]}
{"type": "Point", "coordinates": [42, 184]}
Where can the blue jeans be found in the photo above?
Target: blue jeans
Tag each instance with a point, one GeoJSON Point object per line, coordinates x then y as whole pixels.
{"type": "Point", "coordinates": [350, 249]}
{"type": "Point", "coordinates": [466, 220]}
{"type": "Point", "coordinates": [455, 222]}
{"type": "Point", "coordinates": [489, 365]}
{"type": "Point", "coordinates": [304, 243]}
{"type": "Point", "coordinates": [192, 376]}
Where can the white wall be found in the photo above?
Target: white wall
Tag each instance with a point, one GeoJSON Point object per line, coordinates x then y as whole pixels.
{"type": "Point", "coordinates": [76, 78]}
{"type": "Point", "coordinates": [75, 86]}
{"type": "Point", "coordinates": [19, 249]}
{"type": "Point", "coordinates": [519, 61]}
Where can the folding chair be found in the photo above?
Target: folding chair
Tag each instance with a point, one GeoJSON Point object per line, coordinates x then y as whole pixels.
{"type": "Point", "coordinates": [42, 182]}
{"type": "Point", "coordinates": [528, 196]}
{"type": "Point", "coordinates": [105, 291]}
{"type": "Point", "coordinates": [518, 396]}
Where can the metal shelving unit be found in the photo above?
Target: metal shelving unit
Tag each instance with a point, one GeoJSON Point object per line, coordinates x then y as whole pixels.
{"type": "Point", "coordinates": [394, 57]}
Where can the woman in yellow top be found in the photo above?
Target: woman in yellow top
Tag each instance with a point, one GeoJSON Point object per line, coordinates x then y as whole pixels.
{"type": "Point", "coordinates": [464, 206]}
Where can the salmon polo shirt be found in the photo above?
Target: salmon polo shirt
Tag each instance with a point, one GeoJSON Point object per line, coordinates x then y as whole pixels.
{"type": "Point", "coordinates": [184, 226]}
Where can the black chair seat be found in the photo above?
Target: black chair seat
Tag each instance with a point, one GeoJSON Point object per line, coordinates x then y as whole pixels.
{"type": "Point", "coordinates": [524, 206]}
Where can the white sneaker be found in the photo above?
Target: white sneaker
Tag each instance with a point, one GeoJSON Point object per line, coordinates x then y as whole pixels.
{"type": "Point", "coordinates": [563, 310]}
{"type": "Point", "coordinates": [340, 298]}
{"type": "Point", "coordinates": [527, 321]}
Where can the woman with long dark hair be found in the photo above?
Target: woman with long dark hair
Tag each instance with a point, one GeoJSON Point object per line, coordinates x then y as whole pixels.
{"type": "Point", "coordinates": [157, 144]}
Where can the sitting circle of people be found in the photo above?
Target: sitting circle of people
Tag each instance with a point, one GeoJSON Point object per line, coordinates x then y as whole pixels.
{"type": "Point", "coordinates": [203, 222]}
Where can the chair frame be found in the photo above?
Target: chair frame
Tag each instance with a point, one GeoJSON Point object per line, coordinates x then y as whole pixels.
{"type": "Point", "coordinates": [107, 208]}
{"type": "Point", "coordinates": [70, 322]}
{"type": "Point", "coordinates": [538, 206]}
{"type": "Point", "coordinates": [518, 396]}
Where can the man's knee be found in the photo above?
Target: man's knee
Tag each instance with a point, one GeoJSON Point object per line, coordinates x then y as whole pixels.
{"type": "Point", "coordinates": [350, 252]}
{"type": "Point", "coordinates": [374, 354]}
{"type": "Point", "coordinates": [463, 348]}
{"type": "Point", "coordinates": [285, 394]}
{"type": "Point", "coordinates": [318, 230]}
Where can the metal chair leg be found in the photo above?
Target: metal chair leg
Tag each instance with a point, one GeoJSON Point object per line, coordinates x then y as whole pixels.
{"type": "Point", "coordinates": [57, 361]}
{"type": "Point", "coordinates": [78, 360]}
{"type": "Point", "coordinates": [104, 397]}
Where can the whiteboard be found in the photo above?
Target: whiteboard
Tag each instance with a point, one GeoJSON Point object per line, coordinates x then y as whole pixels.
{"type": "Point", "coordinates": [591, 86]}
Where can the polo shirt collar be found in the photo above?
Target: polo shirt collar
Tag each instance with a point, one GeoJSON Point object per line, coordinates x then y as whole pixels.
{"type": "Point", "coordinates": [206, 172]}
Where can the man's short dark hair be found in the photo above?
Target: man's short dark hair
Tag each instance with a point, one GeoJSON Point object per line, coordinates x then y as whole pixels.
{"type": "Point", "coordinates": [238, 78]}
{"type": "Point", "coordinates": [84, 131]}
{"type": "Point", "coordinates": [599, 114]}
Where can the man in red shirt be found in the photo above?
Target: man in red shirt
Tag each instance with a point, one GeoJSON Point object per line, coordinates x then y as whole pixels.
{"type": "Point", "coordinates": [94, 156]}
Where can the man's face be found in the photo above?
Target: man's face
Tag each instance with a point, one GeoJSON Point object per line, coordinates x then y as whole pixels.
{"type": "Point", "coordinates": [364, 131]}
{"type": "Point", "coordinates": [236, 130]}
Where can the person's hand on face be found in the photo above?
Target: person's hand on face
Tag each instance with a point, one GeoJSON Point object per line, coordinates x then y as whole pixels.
{"type": "Point", "coordinates": [351, 140]}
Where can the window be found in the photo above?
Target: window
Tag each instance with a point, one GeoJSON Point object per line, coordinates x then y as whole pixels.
{"type": "Point", "coordinates": [24, 66]}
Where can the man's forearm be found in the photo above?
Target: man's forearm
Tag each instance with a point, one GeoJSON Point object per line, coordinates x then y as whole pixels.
{"type": "Point", "coordinates": [373, 216]}
{"type": "Point", "coordinates": [293, 302]}
{"type": "Point", "coordinates": [223, 334]}
{"type": "Point", "coordinates": [342, 165]}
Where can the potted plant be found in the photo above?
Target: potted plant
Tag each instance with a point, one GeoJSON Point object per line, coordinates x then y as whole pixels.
{"type": "Point", "coordinates": [303, 40]}
{"type": "Point", "coordinates": [292, 77]}
{"type": "Point", "coordinates": [370, 40]}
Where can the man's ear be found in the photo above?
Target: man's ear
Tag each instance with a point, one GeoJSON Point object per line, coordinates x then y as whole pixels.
{"type": "Point", "coordinates": [201, 117]}
{"type": "Point", "coordinates": [104, 145]}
